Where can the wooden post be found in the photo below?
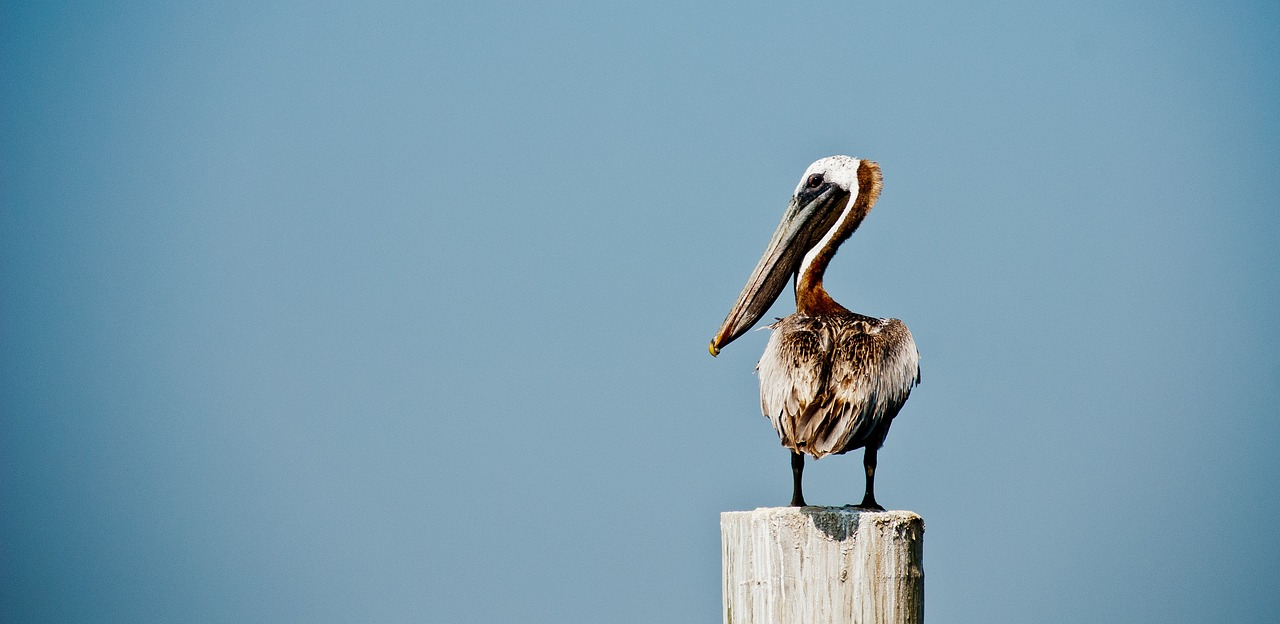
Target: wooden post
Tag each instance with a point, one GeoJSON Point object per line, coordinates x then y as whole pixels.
{"type": "Point", "coordinates": [795, 565]}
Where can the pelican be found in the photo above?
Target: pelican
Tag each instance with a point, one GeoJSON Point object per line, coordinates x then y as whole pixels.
{"type": "Point", "coordinates": [831, 380]}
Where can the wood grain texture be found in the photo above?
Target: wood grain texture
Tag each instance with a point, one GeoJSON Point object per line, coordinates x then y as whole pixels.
{"type": "Point", "coordinates": [798, 565]}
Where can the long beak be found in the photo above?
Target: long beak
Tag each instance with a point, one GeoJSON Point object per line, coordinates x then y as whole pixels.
{"type": "Point", "coordinates": [780, 261]}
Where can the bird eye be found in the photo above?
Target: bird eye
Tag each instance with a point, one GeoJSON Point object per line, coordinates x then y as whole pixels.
{"type": "Point", "coordinates": [814, 180]}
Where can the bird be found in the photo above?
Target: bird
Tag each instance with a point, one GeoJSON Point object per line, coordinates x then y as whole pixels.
{"type": "Point", "coordinates": [831, 380]}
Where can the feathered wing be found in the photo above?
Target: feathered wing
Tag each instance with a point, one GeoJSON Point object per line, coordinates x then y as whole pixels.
{"type": "Point", "coordinates": [828, 384]}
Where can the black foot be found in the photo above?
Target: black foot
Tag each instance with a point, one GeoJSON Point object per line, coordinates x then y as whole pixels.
{"type": "Point", "coordinates": [798, 502]}
{"type": "Point", "coordinates": [869, 505]}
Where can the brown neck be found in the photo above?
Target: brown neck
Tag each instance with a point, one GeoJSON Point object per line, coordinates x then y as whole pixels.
{"type": "Point", "coordinates": [811, 298]}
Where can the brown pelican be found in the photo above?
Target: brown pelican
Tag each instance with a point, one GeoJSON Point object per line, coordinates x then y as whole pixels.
{"type": "Point", "coordinates": [831, 380]}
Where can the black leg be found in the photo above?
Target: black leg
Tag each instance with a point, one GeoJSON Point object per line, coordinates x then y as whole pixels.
{"type": "Point", "coordinates": [797, 469]}
{"type": "Point", "coordinates": [869, 464]}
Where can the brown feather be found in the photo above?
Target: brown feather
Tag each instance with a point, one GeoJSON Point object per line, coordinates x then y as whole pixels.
{"type": "Point", "coordinates": [832, 384]}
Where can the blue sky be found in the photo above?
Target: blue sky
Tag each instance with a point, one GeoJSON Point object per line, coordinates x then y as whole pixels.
{"type": "Point", "coordinates": [399, 312]}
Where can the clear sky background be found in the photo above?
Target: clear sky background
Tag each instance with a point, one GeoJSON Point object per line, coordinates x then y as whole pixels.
{"type": "Point", "coordinates": [399, 312]}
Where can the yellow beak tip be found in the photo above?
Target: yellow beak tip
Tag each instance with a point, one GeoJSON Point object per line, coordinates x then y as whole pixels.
{"type": "Point", "coordinates": [712, 348]}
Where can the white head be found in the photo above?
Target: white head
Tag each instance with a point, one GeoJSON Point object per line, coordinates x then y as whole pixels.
{"type": "Point", "coordinates": [839, 170]}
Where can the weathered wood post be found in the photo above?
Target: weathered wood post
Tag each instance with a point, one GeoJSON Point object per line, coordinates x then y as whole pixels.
{"type": "Point", "coordinates": [795, 565]}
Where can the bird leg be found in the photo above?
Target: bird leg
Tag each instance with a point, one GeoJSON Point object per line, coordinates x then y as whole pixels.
{"type": "Point", "coordinates": [869, 464]}
{"type": "Point", "coordinates": [797, 469]}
